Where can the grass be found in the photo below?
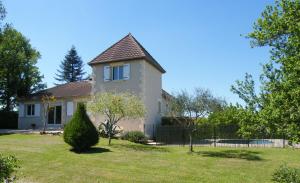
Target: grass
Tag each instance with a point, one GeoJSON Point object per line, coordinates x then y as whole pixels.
{"type": "Point", "coordinates": [48, 159]}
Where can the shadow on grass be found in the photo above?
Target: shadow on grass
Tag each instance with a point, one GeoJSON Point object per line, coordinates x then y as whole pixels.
{"type": "Point", "coordinates": [237, 154]}
{"type": "Point", "coordinates": [140, 147]}
{"type": "Point", "coordinates": [2, 134]}
{"type": "Point", "coordinates": [92, 150]}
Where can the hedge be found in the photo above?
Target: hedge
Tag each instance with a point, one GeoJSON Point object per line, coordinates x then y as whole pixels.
{"type": "Point", "coordinates": [8, 120]}
{"type": "Point", "coordinates": [173, 121]}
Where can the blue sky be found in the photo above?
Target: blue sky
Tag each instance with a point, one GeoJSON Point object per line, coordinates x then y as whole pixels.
{"type": "Point", "coordinates": [198, 42]}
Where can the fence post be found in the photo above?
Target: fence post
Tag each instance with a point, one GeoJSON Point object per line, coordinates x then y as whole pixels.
{"type": "Point", "coordinates": [283, 141]}
{"type": "Point", "coordinates": [153, 131]}
{"type": "Point", "coordinates": [214, 134]}
{"type": "Point", "coordinates": [183, 136]}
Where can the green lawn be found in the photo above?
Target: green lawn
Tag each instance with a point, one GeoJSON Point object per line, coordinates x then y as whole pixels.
{"type": "Point", "coordinates": [48, 159]}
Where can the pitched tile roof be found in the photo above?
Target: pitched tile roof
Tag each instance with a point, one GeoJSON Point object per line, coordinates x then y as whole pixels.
{"type": "Point", "coordinates": [127, 48]}
{"type": "Point", "coordinates": [166, 95]}
{"type": "Point", "coordinates": [72, 89]}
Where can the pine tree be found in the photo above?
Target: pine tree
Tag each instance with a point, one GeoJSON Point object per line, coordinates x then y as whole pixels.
{"type": "Point", "coordinates": [71, 68]}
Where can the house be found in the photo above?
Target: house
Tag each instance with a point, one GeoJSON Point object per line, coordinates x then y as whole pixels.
{"type": "Point", "coordinates": [126, 66]}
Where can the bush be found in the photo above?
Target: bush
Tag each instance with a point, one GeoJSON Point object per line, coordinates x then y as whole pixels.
{"type": "Point", "coordinates": [173, 121]}
{"type": "Point", "coordinates": [9, 120]}
{"type": "Point", "coordinates": [103, 132]}
{"type": "Point", "coordinates": [8, 165]}
{"type": "Point", "coordinates": [285, 174]}
{"type": "Point", "coordinates": [135, 136]}
{"type": "Point", "coordinates": [80, 132]}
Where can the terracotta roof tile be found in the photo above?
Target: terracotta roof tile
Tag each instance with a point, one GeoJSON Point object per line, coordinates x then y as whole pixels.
{"type": "Point", "coordinates": [73, 89]}
{"type": "Point", "coordinates": [127, 48]}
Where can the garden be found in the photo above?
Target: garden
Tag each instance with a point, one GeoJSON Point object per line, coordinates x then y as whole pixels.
{"type": "Point", "coordinates": [83, 153]}
{"type": "Point", "coordinates": [78, 156]}
{"type": "Point", "coordinates": [46, 158]}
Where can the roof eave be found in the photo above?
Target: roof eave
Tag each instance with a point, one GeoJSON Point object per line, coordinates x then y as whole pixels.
{"type": "Point", "coordinates": [162, 70]}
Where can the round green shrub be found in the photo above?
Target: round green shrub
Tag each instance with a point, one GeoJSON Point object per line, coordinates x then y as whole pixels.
{"type": "Point", "coordinates": [285, 174]}
{"type": "Point", "coordinates": [79, 132]}
{"type": "Point", "coordinates": [135, 136]}
{"type": "Point", "coordinates": [8, 165]}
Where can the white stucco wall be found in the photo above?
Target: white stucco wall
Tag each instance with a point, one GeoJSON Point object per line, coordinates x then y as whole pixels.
{"type": "Point", "coordinates": [152, 96]}
{"type": "Point", "coordinates": [145, 82]}
{"type": "Point", "coordinates": [25, 121]}
{"type": "Point", "coordinates": [133, 85]}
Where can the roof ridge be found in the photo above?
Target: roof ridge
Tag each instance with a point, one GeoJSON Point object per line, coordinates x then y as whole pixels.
{"type": "Point", "coordinates": [141, 49]}
{"type": "Point", "coordinates": [110, 47]}
{"type": "Point", "coordinates": [60, 85]}
{"type": "Point", "coordinates": [146, 53]}
{"type": "Point", "coordinates": [127, 48]}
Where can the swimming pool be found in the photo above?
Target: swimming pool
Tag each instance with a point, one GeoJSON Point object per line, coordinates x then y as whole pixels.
{"type": "Point", "coordinates": [243, 141]}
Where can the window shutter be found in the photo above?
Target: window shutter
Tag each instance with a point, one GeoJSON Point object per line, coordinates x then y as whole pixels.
{"type": "Point", "coordinates": [106, 73]}
{"type": "Point", "coordinates": [37, 108]}
{"type": "Point", "coordinates": [126, 71]}
{"type": "Point", "coordinates": [70, 108]}
{"type": "Point", "coordinates": [21, 110]}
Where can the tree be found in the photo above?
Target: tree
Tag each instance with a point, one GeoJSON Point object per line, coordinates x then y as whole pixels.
{"type": "Point", "coordinates": [71, 68]}
{"type": "Point", "coordinates": [2, 13]}
{"type": "Point", "coordinates": [19, 75]}
{"type": "Point", "coordinates": [278, 28]}
{"type": "Point", "coordinates": [116, 107]}
{"type": "Point", "coordinates": [227, 115]}
{"type": "Point", "coordinates": [246, 91]}
{"type": "Point", "coordinates": [191, 107]}
{"type": "Point", "coordinates": [46, 101]}
{"type": "Point", "coordinates": [245, 122]}
{"type": "Point", "coordinates": [79, 132]}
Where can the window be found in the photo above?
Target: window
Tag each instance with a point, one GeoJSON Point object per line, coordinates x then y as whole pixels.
{"type": "Point", "coordinates": [121, 72]}
{"type": "Point", "coordinates": [51, 114]}
{"type": "Point", "coordinates": [58, 114]}
{"type": "Point", "coordinates": [54, 115]}
{"type": "Point", "coordinates": [117, 72]}
{"type": "Point", "coordinates": [159, 107]}
{"type": "Point", "coordinates": [30, 110]}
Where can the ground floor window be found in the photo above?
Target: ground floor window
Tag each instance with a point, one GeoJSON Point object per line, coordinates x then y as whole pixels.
{"type": "Point", "coordinates": [30, 109]}
{"type": "Point", "coordinates": [54, 115]}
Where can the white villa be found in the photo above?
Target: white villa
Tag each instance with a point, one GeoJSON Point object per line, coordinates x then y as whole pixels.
{"type": "Point", "coordinates": [126, 66]}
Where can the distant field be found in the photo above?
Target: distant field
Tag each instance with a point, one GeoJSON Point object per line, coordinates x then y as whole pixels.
{"type": "Point", "coordinates": [48, 159]}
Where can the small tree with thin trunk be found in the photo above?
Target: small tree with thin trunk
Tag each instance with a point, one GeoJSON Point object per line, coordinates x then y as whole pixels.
{"type": "Point", "coordinates": [46, 101]}
{"type": "Point", "coordinates": [116, 107]}
{"type": "Point", "coordinates": [191, 107]}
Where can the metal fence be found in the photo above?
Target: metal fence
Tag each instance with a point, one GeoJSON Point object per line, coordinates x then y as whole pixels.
{"type": "Point", "coordinates": [208, 135]}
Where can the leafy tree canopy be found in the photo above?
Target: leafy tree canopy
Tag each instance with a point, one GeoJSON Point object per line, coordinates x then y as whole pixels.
{"type": "Point", "coordinates": [246, 91]}
{"type": "Point", "coordinates": [19, 75]}
{"type": "Point", "coordinates": [278, 28]}
{"type": "Point", "coordinates": [192, 107]}
{"type": "Point", "coordinates": [115, 107]}
{"type": "Point", "coordinates": [2, 12]}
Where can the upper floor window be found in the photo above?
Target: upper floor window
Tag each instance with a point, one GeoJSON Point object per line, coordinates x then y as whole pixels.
{"type": "Point", "coordinates": [30, 110]}
{"type": "Point", "coordinates": [119, 72]}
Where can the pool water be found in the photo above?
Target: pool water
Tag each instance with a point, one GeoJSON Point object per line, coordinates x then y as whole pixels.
{"type": "Point", "coordinates": [242, 141]}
